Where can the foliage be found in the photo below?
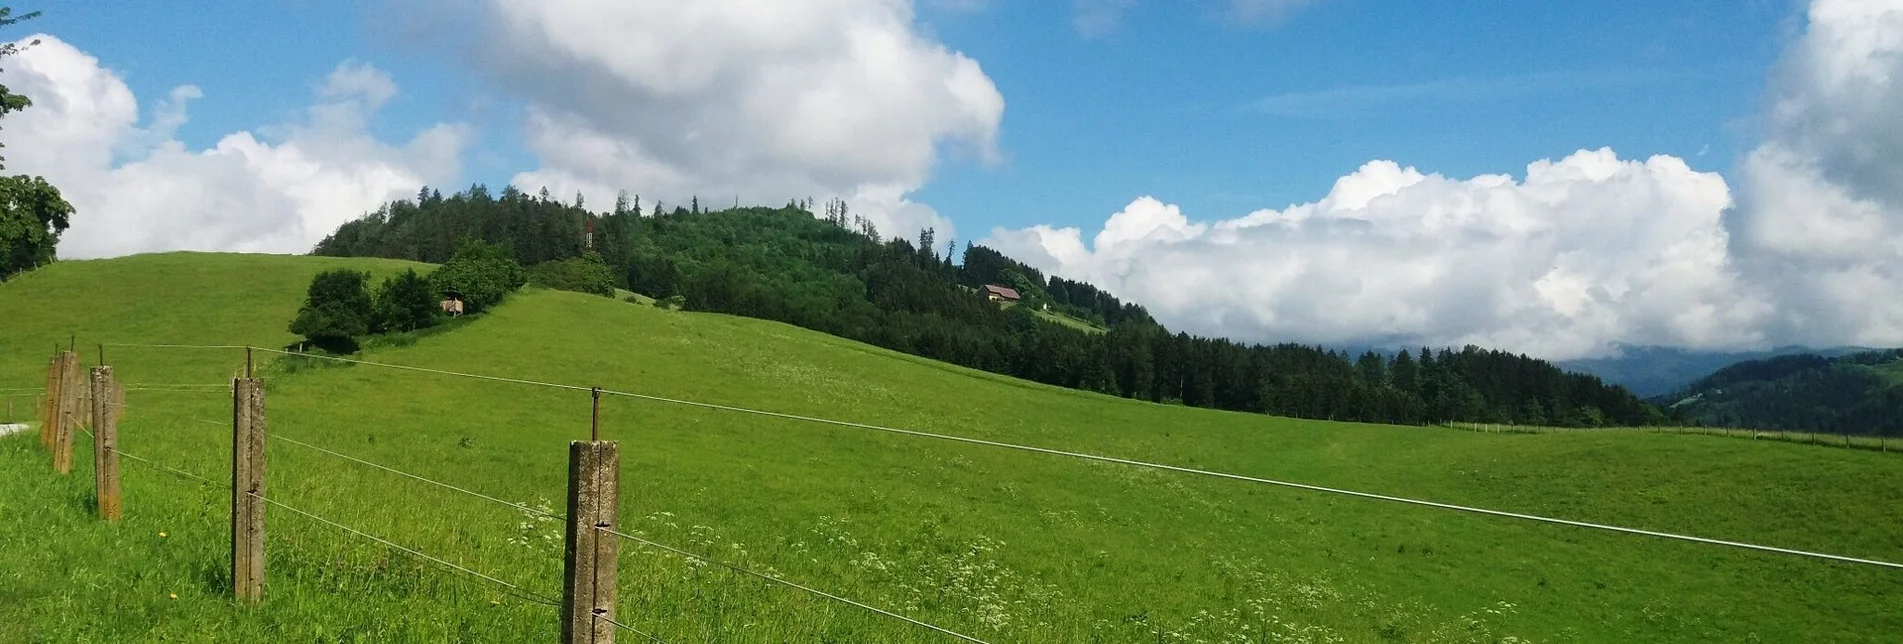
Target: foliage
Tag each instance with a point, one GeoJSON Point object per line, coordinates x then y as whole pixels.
{"type": "Point", "coordinates": [481, 272]}
{"type": "Point", "coordinates": [406, 302]}
{"type": "Point", "coordinates": [1859, 393]}
{"type": "Point", "coordinates": [833, 274]}
{"type": "Point", "coordinates": [1006, 545]}
{"type": "Point", "coordinates": [432, 228]}
{"type": "Point", "coordinates": [337, 309]}
{"type": "Point", "coordinates": [32, 212]}
{"type": "Point", "coordinates": [587, 273]}
{"type": "Point", "coordinates": [32, 216]}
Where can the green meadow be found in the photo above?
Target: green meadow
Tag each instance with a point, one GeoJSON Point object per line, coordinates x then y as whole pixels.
{"type": "Point", "coordinates": [1003, 545]}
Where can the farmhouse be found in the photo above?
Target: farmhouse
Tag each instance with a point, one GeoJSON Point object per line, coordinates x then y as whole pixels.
{"type": "Point", "coordinates": [997, 293]}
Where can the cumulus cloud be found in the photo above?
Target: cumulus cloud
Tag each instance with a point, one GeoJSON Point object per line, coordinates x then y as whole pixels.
{"type": "Point", "coordinates": [763, 100]}
{"type": "Point", "coordinates": [1581, 251]}
{"type": "Point", "coordinates": [137, 188]}
{"type": "Point", "coordinates": [1577, 256]}
{"type": "Point", "coordinates": [1821, 221]}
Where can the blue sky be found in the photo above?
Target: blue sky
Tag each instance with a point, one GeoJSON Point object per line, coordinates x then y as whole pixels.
{"type": "Point", "coordinates": [1537, 177]}
{"type": "Point", "coordinates": [1174, 101]}
{"type": "Point", "coordinates": [1176, 104]}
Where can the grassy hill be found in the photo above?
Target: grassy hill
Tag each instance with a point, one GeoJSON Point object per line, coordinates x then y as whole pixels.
{"type": "Point", "coordinates": [1007, 546]}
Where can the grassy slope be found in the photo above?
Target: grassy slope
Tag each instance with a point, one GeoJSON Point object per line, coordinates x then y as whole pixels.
{"type": "Point", "coordinates": [1071, 322]}
{"type": "Point", "coordinates": [1007, 545]}
{"type": "Point", "coordinates": [1891, 372]}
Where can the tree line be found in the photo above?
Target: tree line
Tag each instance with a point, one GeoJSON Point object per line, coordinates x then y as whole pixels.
{"type": "Point", "coordinates": [835, 273]}
{"type": "Point", "coordinates": [1860, 393]}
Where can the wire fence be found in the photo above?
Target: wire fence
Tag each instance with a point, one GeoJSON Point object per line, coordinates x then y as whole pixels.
{"type": "Point", "coordinates": [515, 590]}
{"type": "Point", "coordinates": [1875, 443]}
{"type": "Point", "coordinates": [531, 596]}
{"type": "Point", "coordinates": [509, 588]}
{"type": "Point", "coordinates": [1119, 461]}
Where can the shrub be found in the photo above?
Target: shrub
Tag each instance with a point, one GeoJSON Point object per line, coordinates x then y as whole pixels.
{"type": "Point", "coordinates": [482, 272]}
{"type": "Point", "coordinates": [587, 273]}
{"type": "Point", "coordinates": [406, 302]}
{"type": "Point", "coordinates": [336, 310]}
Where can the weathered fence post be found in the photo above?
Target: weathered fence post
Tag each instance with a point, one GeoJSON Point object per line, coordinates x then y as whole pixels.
{"type": "Point", "coordinates": [589, 567]}
{"type": "Point", "coordinates": [82, 395]}
{"type": "Point", "coordinates": [67, 421]}
{"type": "Point", "coordinates": [118, 400]}
{"type": "Point", "coordinates": [105, 443]}
{"type": "Point", "coordinates": [49, 407]}
{"type": "Point", "coordinates": [247, 490]}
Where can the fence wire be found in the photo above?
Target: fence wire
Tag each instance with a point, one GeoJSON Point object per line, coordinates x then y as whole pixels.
{"type": "Point", "coordinates": [650, 636]}
{"type": "Point", "coordinates": [790, 584]}
{"type": "Point", "coordinates": [1093, 457]}
{"type": "Point", "coordinates": [508, 588]}
{"type": "Point", "coordinates": [516, 591]}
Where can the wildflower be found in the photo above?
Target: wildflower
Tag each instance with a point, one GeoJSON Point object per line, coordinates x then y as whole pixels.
{"type": "Point", "coordinates": [174, 595]}
{"type": "Point", "coordinates": [161, 535]}
{"type": "Point", "coordinates": [495, 602]}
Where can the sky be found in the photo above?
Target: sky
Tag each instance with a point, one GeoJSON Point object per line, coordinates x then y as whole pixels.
{"type": "Point", "coordinates": [1525, 176]}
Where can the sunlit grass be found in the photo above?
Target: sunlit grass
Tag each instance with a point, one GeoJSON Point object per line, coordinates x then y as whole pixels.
{"type": "Point", "coordinates": [1006, 546]}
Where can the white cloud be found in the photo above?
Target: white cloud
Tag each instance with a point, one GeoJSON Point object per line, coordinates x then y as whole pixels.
{"type": "Point", "coordinates": [1580, 255]}
{"type": "Point", "coordinates": [1822, 216]}
{"type": "Point", "coordinates": [1582, 252]}
{"type": "Point", "coordinates": [137, 188]}
{"type": "Point", "coordinates": [765, 100]}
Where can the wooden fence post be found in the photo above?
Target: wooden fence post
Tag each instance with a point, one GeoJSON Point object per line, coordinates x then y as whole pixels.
{"type": "Point", "coordinates": [589, 568]}
{"type": "Point", "coordinates": [82, 396]}
{"type": "Point", "coordinates": [105, 443]}
{"type": "Point", "coordinates": [247, 491]}
{"type": "Point", "coordinates": [49, 407]}
{"type": "Point", "coordinates": [67, 421]}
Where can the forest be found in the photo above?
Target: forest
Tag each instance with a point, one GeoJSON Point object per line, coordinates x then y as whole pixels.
{"type": "Point", "coordinates": [1859, 393]}
{"type": "Point", "coordinates": [834, 272]}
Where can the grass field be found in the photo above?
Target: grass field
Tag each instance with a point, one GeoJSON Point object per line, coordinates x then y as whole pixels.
{"type": "Point", "coordinates": [1004, 545]}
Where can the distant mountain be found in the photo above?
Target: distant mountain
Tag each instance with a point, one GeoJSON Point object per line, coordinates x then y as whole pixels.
{"type": "Point", "coordinates": [1655, 371]}
{"type": "Point", "coordinates": [1859, 393]}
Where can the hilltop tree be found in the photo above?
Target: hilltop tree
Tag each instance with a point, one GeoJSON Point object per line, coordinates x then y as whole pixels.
{"type": "Point", "coordinates": [337, 309]}
{"type": "Point", "coordinates": [406, 302]}
{"type": "Point", "coordinates": [33, 214]}
{"type": "Point", "coordinates": [482, 272]}
{"type": "Point", "coordinates": [588, 273]}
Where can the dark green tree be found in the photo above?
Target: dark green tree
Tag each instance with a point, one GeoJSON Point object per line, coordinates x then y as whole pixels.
{"type": "Point", "coordinates": [481, 272]}
{"type": "Point", "coordinates": [1405, 374]}
{"type": "Point", "coordinates": [406, 302]}
{"type": "Point", "coordinates": [585, 274]}
{"type": "Point", "coordinates": [1371, 370]}
{"type": "Point", "coordinates": [337, 310]}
